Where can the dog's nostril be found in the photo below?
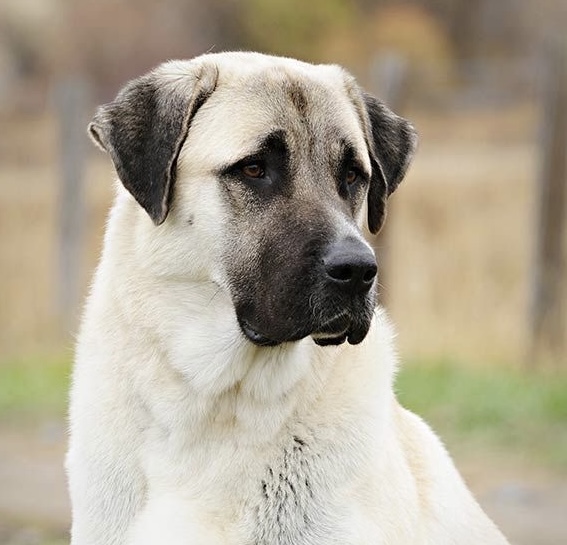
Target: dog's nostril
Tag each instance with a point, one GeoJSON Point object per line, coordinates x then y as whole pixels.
{"type": "Point", "coordinates": [347, 273]}
{"type": "Point", "coordinates": [352, 276]}
{"type": "Point", "coordinates": [370, 274]}
{"type": "Point", "coordinates": [343, 273]}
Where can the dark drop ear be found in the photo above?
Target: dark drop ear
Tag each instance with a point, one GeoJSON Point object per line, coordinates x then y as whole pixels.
{"type": "Point", "coordinates": [393, 143]}
{"type": "Point", "coordinates": [143, 131]}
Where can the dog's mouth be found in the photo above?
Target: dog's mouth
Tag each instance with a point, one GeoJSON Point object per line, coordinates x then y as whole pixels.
{"type": "Point", "coordinates": [332, 333]}
{"type": "Point", "coordinates": [354, 335]}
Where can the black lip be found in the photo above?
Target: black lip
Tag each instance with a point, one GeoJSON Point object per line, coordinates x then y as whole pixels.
{"type": "Point", "coordinates": [331, 341]}
{"type": "Point", "coordinates": [253, 336]}
{"type": "Point", "coordinates": [346, 327]}
{"type": "Point", "coordinates": [356, 337]}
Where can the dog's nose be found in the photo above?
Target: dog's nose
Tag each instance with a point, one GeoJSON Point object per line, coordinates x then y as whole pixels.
{"type": "Point", "coordinates": [350, 265]}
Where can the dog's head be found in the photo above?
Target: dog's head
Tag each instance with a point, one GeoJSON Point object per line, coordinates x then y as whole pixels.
{"type": "Point", "coordinates": [258, 174]}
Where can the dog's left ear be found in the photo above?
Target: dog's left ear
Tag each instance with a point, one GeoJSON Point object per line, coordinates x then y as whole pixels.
{"type": "Point", "coordinates": [144, 128]}
{"type": "Point", "coordinates": [393, 142]}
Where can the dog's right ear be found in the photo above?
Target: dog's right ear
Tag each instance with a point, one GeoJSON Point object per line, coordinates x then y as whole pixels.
{"type": "Point", "coordinates": [144, 128]}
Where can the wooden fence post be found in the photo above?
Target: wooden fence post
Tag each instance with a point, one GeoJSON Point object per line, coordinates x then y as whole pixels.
{"type": "Point", "coordinates": [71, 103]}
{"type": "Point", "coordinates": [388, 79]}
{"type": "Point", "coordinates": [549, 292]}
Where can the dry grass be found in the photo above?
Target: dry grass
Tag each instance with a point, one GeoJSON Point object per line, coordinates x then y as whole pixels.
{"type": "Point", "coordinates": [29, 190]}
{"type": "Point", "coordinates": [461, 241]}
{"type": "Point", "coordinates": [460, 236]}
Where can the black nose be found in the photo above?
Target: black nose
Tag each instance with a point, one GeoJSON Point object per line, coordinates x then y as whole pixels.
{"type": "Point", "coordinates": [350, 265]}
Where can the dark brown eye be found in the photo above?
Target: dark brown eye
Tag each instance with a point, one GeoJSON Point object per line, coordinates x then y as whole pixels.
{"type": "Point", "coordinates": [253, 170]}
{"type": "Point", "coordinates": [351, 177]}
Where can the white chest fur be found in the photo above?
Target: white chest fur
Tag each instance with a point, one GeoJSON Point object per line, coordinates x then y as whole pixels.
{"type": "Point", "coordinates": [276, 456]}
{"type": "Point", "coordinates": [308, 482]}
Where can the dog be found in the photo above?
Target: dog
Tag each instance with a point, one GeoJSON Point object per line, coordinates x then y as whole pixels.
{"type": "Point", "coordinates": [233, 374]}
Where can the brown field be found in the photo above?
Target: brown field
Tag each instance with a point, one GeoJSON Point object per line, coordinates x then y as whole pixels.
{"type": "Point", "coordinates": [460, 236]}
{"type": "Point", "coordinates": [462, 239]}
{"type": "Point", "coordinates": [456, 266]}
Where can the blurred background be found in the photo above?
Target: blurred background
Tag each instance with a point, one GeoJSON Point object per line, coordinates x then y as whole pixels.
{"type": "Point", "coordinates": [473, 259]}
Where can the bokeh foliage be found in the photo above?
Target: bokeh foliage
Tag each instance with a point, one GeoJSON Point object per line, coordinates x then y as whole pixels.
{"type": "Point", "coordinates": [294, 27]}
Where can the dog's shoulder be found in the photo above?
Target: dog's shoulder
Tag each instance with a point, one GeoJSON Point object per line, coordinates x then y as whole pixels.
{"type": "Point", "coordinates": [451, 512]}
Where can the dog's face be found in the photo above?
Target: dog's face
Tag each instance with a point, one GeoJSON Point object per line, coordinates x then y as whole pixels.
{"type": "Point", "coordinates": [270, 167]}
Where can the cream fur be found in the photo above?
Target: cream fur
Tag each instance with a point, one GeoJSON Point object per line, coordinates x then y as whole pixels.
{"type": "Point", "coordinates": [175, 417]}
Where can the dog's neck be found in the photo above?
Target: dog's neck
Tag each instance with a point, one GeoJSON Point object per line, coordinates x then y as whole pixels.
{"type": "Point", "coordinates": [187, 331]}
{"type": "Point", "coordinates": [224, 378]}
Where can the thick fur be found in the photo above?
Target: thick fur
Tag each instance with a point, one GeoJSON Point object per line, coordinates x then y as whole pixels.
{"type": "Point", "coordinates": [203, 411]}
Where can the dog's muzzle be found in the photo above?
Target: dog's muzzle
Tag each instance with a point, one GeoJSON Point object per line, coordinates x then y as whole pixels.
{"type": "Point", "coordinates": [332, 302]}
{"type": "Point", "coordinates": [350, 268]}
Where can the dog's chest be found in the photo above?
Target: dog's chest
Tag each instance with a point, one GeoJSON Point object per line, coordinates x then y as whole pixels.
{"type": "Point", "coordinates": [298, 498]}
{"type": "Point", "coordinates": [294, 486]}
{"type": "Point", "coordinates": [292, 494]}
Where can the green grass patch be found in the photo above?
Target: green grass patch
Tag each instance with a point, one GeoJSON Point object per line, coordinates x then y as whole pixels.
{"type": "Point", "coordinates": [33, 387]}
{"type": "Point", "coordinates": [468, 406]}
{"type": "Point", "coordinates": [497, 406]}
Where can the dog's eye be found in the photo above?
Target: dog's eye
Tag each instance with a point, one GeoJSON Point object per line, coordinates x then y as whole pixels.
{"type": "Point", "coordinates": [351, 177]}
{"type": "Point", "coordinates": [253, 170]}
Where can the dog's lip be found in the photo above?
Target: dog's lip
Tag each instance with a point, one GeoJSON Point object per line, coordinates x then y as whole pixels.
{"type": "Point", "coordinates": [333, 332]}
{"type": "Point", "coordinates": [254, 336]}
{"type": "Point", "coordinates": [329, 340]}
{"type": "Point", "coordinates": [346, 330]}
{"type": "Point", "coordinates": [334, 326]}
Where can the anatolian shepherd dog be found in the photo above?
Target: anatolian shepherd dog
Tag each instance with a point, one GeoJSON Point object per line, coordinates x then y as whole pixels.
{"type": "Point", "coordinates": [233, 377]}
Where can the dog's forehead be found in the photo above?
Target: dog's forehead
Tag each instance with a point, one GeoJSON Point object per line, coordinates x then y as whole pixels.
{"type": "Point", "coordinates": [308, 102]}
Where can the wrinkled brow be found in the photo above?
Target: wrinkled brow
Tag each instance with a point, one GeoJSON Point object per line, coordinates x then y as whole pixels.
{"type": "Point", "coordinates": [273, 141]}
